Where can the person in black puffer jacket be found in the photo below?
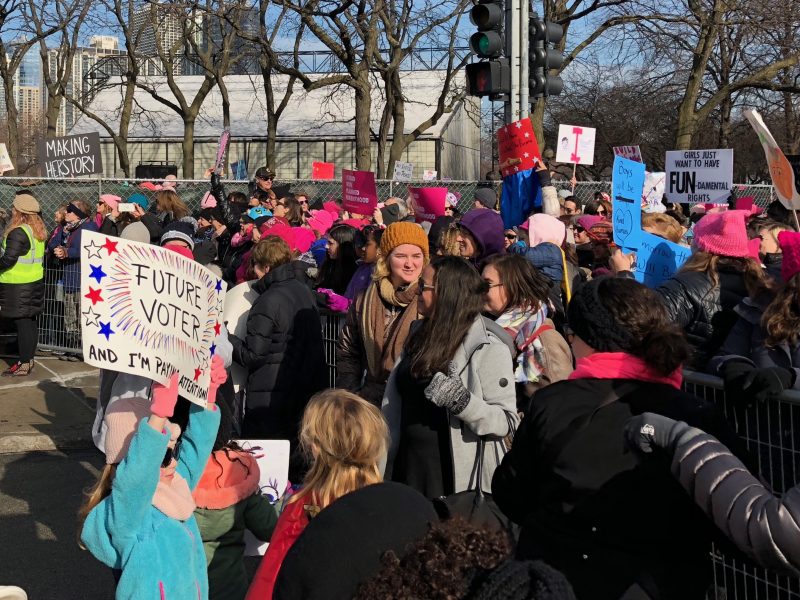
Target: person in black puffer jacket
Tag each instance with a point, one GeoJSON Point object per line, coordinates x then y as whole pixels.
{"type": "Point", "coordinates": [616, 526]}
{"type": "Point", "coordinates": [282, 350]}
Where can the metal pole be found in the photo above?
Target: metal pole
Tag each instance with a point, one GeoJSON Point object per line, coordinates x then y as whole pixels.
{"type": "Point", "coordinates": [512, 52]}
{"type": "Point", "coordinates": [524, 88]}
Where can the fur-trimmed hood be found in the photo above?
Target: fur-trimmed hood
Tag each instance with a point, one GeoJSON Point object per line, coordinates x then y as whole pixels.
{"type": "Point", "coordinates": [228, 479]}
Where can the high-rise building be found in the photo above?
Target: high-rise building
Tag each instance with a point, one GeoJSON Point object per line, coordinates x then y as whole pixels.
{"type": "Point", "coordinates": [162, 25]}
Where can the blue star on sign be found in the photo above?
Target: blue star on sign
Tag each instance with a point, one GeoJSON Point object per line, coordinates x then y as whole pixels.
{"type": "Point", "coordinates": [219, 285]}
{"type": "Point", "coordinates": [105, 329]}
{"type": "Point", "coordinates": [97, 272]}
{"type": "Point", "coordinates": [213, 349]}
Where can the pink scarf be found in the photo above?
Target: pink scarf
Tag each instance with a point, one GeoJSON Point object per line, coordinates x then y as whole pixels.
{"type": "Point", "coordinates": [620, 365]}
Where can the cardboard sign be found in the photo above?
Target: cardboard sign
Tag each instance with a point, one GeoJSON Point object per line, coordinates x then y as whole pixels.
{"type": "Point", "coordinates": [517, 147]}
{"type": "Point", "coordinates": [322, 170]}
{"type": "Point", "coordinates": [794, 161]}
{"type": "Point", "coordinates": [429, 202]}
{"type": "Point", "coordinates": [780, 170]}
{"type": "Point", "coordinates": [626, 198]}
{"type": "Point", "coordinates": [403, 171]}
{"type": "Point", "coordinates": [272, 457]}
{"type": "Point", "coordinates": [222, 147]}
{"type": "Point", "coordinates": [359, 194]}
{"type": "Point", "coordinates": [575, 144]}
{"type": "Point", "coordinates": [70, 156]}
{"type": "Point", "coordinates": [630, 152]}
{"type": "Point", "coordinates": [653, 191]}
{"type": "Point", "coordinates": [658, 259]}
{"type": "Point", "coordinates": [429, 175]}
{"type": "Point", "coordinates": [699, 176]}
{"type": "Point", "coordinates": [149, 311]}
{"type": "Point", "coordinates": [5, 160]}
{"type": "Point", "coordinates": [239, 170]}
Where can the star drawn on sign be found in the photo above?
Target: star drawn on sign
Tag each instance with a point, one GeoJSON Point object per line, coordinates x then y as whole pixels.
{"type": "Point", "coordinates": [526, 155]}
{"type": "Point", "coordinates": [94, 249]}
{"type": "Point", "coordinates": [218, 287]}
{"type": "Point", "coordinates": [105, 329]}
{"type": "Point", "coordinates": [111, 246]}
{"type": "Point", "coordinates": [213, 349]}
{"type": "Point", "coordinates": [197, 373]}
{"type": "Point", "coordinates": [527, 135]}
{"type": "Point", "coordinates": [91, 317]}
{"type": "Point", "coordinates": [216, 328]}
{"type": "Point", "coordinates": [519, 124]}
{"type": "Point", "coordinates": [516, 169]}
{"type": "Point", "coordinates": [93, 295]}
{"type": "Point", "coordinates": [97, 273]}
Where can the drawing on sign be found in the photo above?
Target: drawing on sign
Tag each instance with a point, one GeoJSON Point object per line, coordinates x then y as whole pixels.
{"type": "Point", "coordinates": [780, 169]}
{"type": "Point", "coordinates": [403, 171]}
{"type": "Point", "coordinates": [576, 144]}
{"type": "Point", "coordinates": [629, 152]}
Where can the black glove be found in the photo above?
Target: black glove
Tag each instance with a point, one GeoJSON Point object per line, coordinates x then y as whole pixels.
{"type": "Point", "coordinates": [760, 384]}
{"type": "Point", "coordinates": [733, 373]}
{"type": "Point", "coordinates": [447, 391]}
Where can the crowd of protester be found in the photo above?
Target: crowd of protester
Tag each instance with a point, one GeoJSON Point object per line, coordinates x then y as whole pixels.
{"type": "Point", "coordinates": [508, 418]}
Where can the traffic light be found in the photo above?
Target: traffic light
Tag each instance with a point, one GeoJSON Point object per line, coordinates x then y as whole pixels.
{"type": "Point", "coordinates": [543, 57]}
{"type": "Point", "coordinates": [488, 17]}
{"type": "Point", "coordinates": [489, 78]}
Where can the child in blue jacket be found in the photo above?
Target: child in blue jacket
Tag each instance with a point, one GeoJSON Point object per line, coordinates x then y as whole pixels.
{"type": "Point", "coordinates": [139, 518]}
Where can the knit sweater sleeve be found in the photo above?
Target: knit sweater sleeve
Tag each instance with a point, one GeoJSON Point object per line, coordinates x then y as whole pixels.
{"type": "Point", "coordinates": [112, 526]}
{"type": "Point", "coordinates": [196, 444]}
{"type": "Point", "coordinates": [17, 244]}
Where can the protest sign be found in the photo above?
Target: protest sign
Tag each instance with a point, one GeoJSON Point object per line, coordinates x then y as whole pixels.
{"type": "Point", "coordinates": [222, 148]}
{"type": "Point", "coordinates": [239, 170]}
{"type": "Point", "coordinates": [699, 176]}
{"type": "Point", "coordinates": [575, 144]}
{"type": "Point", "coordinates": [794, 161]}
{"type": "Point", "coordinates": [428, 202]}
{"type": "Point", "coordinates": [5, 160]}
{"type": "Point", "coordinates": [517, 147]}
{"type": "Point", "coordinates": [630, 152]}
{"type": "Point", "coordinates": [657, 259]}
{"type": "Point", "coordinates": [70, 156]}
{"type": "Point", "coordinates": [653, 191]}
{"type": "Point", "coordinates": [627, 183]}
{"type": "Point", "coordinates": [428, 175]}
{"type": "Point", "coordinates": [272, 457]}
{"type": "Point", "coordinates": [780, 169]}
{"type": "Point", "coordinates": [403, 171]}
{"type": "Point", "coordinates": [149, 311]}
{"type": "Point", "coordinates": [359, 194]}
{"type": "Point", "coordinates": [322, 170]}
{"type": "Point", "coordinates": [745, 203]}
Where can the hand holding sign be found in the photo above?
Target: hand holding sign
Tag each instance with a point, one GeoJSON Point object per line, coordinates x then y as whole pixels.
{"type": "Point", "coordinates": [149, 311]}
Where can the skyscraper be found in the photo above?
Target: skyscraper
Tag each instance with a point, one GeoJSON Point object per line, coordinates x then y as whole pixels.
{"type": "Point", "coordinates": [162, 25]}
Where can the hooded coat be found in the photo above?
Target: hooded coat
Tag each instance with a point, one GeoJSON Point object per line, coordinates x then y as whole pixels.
{"type": "Point", "coordinates": [486, 226]}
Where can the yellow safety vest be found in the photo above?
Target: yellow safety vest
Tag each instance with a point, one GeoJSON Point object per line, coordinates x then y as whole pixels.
{"type": "Point", "coordinates": [29, 268]}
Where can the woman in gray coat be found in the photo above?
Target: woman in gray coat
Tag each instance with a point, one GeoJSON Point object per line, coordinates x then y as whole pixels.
{"type": "Point", "coordinates": [764, 527]}
{"type": "Point", "coordinates": [452, 387]}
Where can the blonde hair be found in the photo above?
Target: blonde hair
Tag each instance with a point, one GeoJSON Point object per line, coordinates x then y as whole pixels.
{"type": "Point", "coordinates": [347, 437]}
{"type": "Point", "coordinates": [663, 226]}
{"type": "Point", "coordinates": [448, 245]}
{"type": "Point", "coordinates": [168, 201]}
{"type": "Point", "coordinates": [18, 219]}
{"type": "Point", "coordinates": [94, 496]}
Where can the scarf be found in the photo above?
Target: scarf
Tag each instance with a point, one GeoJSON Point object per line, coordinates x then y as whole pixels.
{"type": "Point", "coordinates": [522, 324]}
{"type": "Point", "coordinates": [70, 227]}
{"type": "Point", "coordinates": [621, 365]}
{"type": "Point", "coordinates": [383, 345]}
{"type": "Point", "coordinates": [174, 498]}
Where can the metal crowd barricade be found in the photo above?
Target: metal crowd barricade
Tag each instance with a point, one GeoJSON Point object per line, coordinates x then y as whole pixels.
{"type": "Point", "coordinates": [770, 431]}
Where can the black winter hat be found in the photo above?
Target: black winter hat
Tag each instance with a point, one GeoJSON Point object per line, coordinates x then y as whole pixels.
{"type": "Point", "coordinates": [590, 319]}
{"type": "Point", "coordinates": [343, 546]}
{"type": "Point", "coordinates": [487, 197]}
{"type": "Point", "coordinates": [523, 580]}
{"type": "Point", "coordinates": [179, 230]}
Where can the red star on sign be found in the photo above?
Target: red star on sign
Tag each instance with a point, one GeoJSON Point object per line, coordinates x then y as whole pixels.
{"type": "Point", "coordinates": [111, 246]}
{"type": "Point", "coordinates": [216, 328]}
{"type": "Point", "coordinates": [197, 373]}
{"type": "Point", "coordinates": [94, 296]}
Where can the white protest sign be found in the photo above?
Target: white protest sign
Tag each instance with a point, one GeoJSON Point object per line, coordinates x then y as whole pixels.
{"type": "Point", "coordinates": [780, 169]}
{"type": "Point", "coordinates": [5, 160]}
{"type": "Point", "coordinates": [654, 191]}
{"type": "Point", "coordinates": [238, 302]}
{"type": "Point", "coordinates": [428, 175]}
{"type": "Point", "coordinates": [272, 457]}
{"type": "Point", "coordinates": [699, 176]}
{"type": "Point", "coordinates": [403, 171]}
{"type": "Point", "coordinates": [629, 152]}
{"type": "Point", "coordinates": [575, 144]}
{"type": "Point", "coordinates": [149, 311]}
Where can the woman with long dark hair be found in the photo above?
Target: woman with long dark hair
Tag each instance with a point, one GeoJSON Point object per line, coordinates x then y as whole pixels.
{"type": "Point", "coordinates": [451, 399]}
{"type": "Point", "coordinates": [341, 261]}
{"type": "Point", "coordinates": [582, 498]}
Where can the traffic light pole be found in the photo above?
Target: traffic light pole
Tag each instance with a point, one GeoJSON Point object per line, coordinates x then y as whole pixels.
{"type": "Point", "coordinates": [524, 89]}
{"type": "Point", "coordinates": [514, 54]}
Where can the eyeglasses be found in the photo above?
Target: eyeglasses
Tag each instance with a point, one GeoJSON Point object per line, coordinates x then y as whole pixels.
{"type": "Point", "coordinates": [425, 286]}
{"type": "Point", "coordinates": [511, 236]}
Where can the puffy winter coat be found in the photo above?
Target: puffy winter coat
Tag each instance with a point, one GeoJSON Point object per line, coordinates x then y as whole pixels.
{"type": "Point", "coordinates": [545, 256]}
{"type": "Point", "coordinates": [703, 310]}
{"type": "Point", "coordinates": [72, 263]}
{"type": "Point", "coordinates": [19, 300]}
{"type": "Point", "coordinates": [766, 528]}
{"type": "Point", "coordinates": [283, 353]}
{"type": "Point", "coordinates": [609, 520]}
{"type": "Point", "coordinates": [228, 502]}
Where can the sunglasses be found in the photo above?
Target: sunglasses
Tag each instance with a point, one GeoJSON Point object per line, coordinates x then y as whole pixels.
{"type": "Point", "coordinates": [579, 229]}
{"type": "Point", "coordinates": [511, 236]}
{"type": "Point", "coordinates": [170, 454]}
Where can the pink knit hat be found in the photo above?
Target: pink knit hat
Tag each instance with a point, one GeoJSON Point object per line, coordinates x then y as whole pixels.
{"type": "Point", "coordinates": [321, 221]}
{"type": "Point", "coordinates": [546, 228]}
{"type": "Point", "coordinates": [111, 200]}
{"type": "Point", "coordinates": [303, 238]}
{"type": "Point", "coordinates": [790, 246]}
{"type": "Point", "coordinates": [588, 221]}
{"type": "Point", "coordinates": [208, 201]}
{"type": "Point", "coordinates": [283, 231]}
{"type": "Point", "coordinates": [121, 419]}
{"type": "Point", "coordinates": [723, 234]}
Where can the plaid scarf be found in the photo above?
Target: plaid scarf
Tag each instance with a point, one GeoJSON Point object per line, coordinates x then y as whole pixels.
{"type": "Point", "coordinates": [522, 324]}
